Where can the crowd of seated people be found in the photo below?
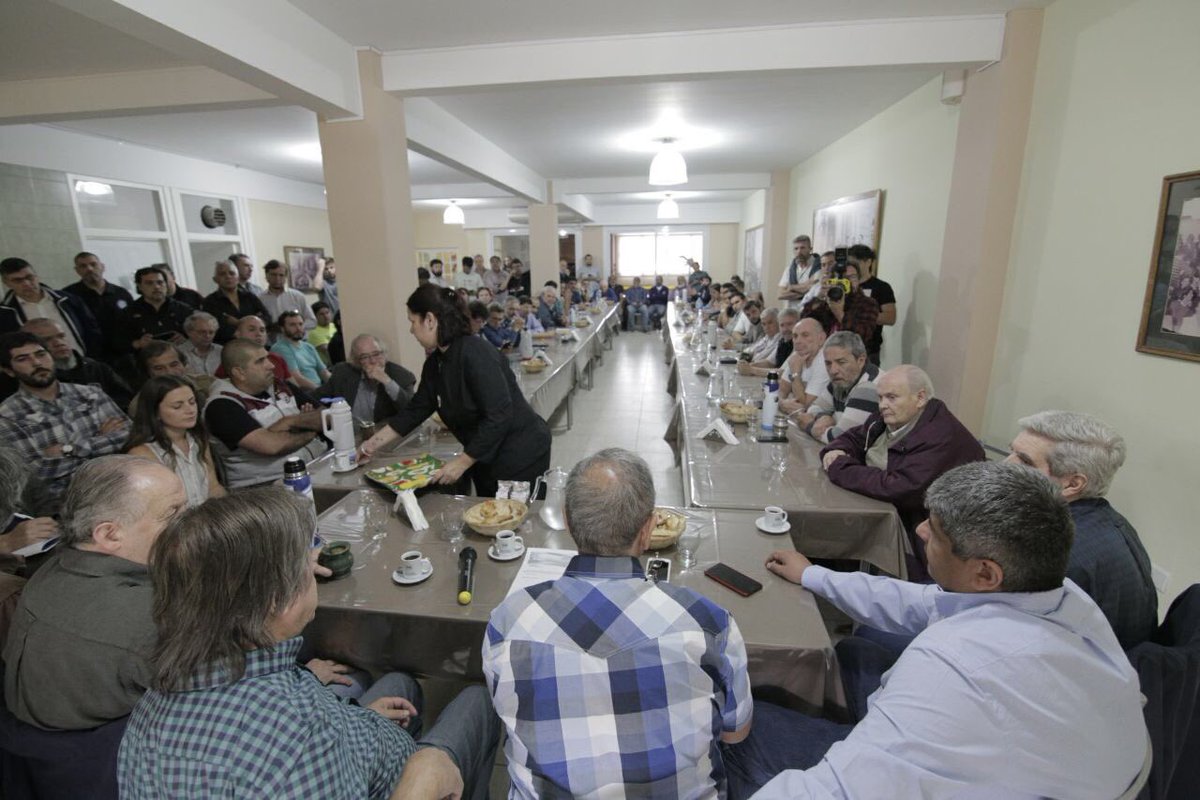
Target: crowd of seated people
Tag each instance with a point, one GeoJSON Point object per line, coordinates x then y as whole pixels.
{"type": "Point", "coordinates": [145, 434]}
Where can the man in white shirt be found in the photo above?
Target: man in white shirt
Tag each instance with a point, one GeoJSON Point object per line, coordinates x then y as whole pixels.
{"type": "Point", "coordinates": [202, 353]}
{"type": "Point", "coordinates": [435, 274]}
{"type": "Point", "coordinates": [467, 278]}
{"type": "Point", "coordinates": [279, 298]}
{"type": "Point", "coordinates": [801, 274]}
{"type": "Point", "coordinates": [1015, 685]}
{"type": "Point", "coordinates": [803, 377]}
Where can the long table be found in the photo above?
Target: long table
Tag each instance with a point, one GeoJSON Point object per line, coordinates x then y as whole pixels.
{"type": "Point", "coordinates": [367, 620]}
{"type": "Point", "coordinates": [573, 366]}
{"type": "Point", "coordinates": [826, 521]}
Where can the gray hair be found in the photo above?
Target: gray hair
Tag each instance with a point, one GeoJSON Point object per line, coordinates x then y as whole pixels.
{"type": "Point", "coordinates": [19, 482]}
{"type": "Point", "coordinates": [847, 340]}
{"type": "Point", "coordinates": [610, 495]}
{"type": "Point", "coordinates": [790, 313]}
{"type": "Point", "coordinates": [104, 490]}
{"type": "Point", "coordinates": [222, 571]}
{"type": "Point", "coordinates": [770, 314]}
{"type": "Point", "coordinates": [362, 337]}
{"type": "Point", "coordinates": [1007, 513]}
{"type": "Point", "coordinates": [198, 317]}
{"type": "Point", "coordinates": [918, 379]}
{"type": "Point", "coordinates": [1082, 444]}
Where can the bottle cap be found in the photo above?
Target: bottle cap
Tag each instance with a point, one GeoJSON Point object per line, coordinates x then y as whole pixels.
{"type": "Point", "coordinates": [464, 598]}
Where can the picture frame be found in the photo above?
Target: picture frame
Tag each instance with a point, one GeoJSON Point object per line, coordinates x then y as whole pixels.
{"type": "Point", "coordinates": [752, 259]}
{"type": "Point", "coordinates": [1170, 323]}
{"type": "Point", "coordinates": [302, 265]}
{"type": "Point", "coordinates": [847, 221]}
{"type": "Point", "coordinates": [448, 255]}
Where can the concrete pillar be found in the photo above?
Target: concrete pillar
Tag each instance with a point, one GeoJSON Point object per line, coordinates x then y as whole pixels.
{"type": "Point", "coordinates": [543, 245]}
{"type": "Point", "coordinates": [984, 188]}
{"type": "Point", "coordinates": [777, 238]}
{"type": "Point", "coordinates": [593, 242]}
{"type": "Point", "coordinates": [371, 216]}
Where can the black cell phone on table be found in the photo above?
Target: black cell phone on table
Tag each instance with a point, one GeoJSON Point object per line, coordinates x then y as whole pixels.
{"type": "Point", "coordinates": [733, 580]}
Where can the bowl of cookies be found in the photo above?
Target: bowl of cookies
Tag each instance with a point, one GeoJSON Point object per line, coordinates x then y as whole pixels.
{"type": "Point", "coordinates": [668, 525]}
{"type": "Point", "coordinates": [492, 516]}
{"type": "Point", "coordinates": [736, 411]}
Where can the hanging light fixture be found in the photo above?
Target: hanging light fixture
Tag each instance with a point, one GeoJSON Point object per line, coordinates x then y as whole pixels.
{"type": "Point", "coordinates": [453, 215]}
{"type": "Point", "coordinates": [668, 167]}
{"type": "Point", "coordinates": [668, 208]}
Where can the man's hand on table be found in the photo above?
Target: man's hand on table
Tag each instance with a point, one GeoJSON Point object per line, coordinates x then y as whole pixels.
{"type": "Point", "coordinates": [788, 564]}
{"type": "Point", "coordinates": [830, 457]}
{"type": "Point", "coordinates": [820, 426]}
{"type": "Point", "coordinates": [453, 469]}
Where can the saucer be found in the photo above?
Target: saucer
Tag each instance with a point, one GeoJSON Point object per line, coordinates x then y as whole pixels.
{"type": "Point", "coordinates": [398, 576]}
{"type": "Point", "coordinates": [761, 524]}
{"type": "Point", "coordinates": [491, 551]}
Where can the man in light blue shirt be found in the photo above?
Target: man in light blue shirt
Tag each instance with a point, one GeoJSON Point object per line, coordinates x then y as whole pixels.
{"type": "Point", "coordinates": [307, 368]}
{"type": "Point", "coordinates": [1014, 687]}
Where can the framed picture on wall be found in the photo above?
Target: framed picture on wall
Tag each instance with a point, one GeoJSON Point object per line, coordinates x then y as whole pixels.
{"type": "Point", "coordinates": [848, 220]}
{"type": "Point", "coordinates": [752, 268]}
{"type": "Point", "coordinates": [1170, 322]}
{"type": "Point", "coordinates": [302, 265]}
{"type": "Point", "coordinates": [449, 257]}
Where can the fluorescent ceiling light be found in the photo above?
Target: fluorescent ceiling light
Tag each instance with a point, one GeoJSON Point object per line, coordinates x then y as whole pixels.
{"type": "Point", "coordinates": [93, 188]}
{"type": "Point", "coordinates": [305, 151]}
{"type": "Point", "coordinates": [668, 167]}
{"type": "Point", "coordinates": [453, 215]}
{"type": "Point", "coordinates": [562, 234]}
{"type": "Point", "coordinates": [668, 208]}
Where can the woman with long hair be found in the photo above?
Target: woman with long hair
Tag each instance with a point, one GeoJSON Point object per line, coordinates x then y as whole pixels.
{"type": "Point", "coordinates": [472, 387]}
{"type": "Point", "coordinates": [168, 427]}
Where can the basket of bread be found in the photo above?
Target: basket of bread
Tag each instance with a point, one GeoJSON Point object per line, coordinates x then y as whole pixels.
{"type": "Point", "coordinates": [533, 365]}
{"type": "Point", "coordinates": [668, 525]}
{"type": "Point", "coordinates": [736, 411]}
{"type": "Point", "coordinates": [492, 516]}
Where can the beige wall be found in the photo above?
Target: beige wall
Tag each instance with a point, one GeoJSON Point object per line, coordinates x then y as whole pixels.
{"type": "Point", "coordinates": [908, 151]}
{"type": "Point", "coordinates": [273, 225]}
{"type": "Point", "coordinates": [430, 233]}
{"type": "Point", "coordinates": [722, 256]}
{"type": "Point", "coordinates": [1113, 113]}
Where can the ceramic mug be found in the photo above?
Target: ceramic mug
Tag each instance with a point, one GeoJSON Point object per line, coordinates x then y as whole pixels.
{"type": "Point", "coordinates": [413, 564]}
{"type": "Point", "coordinates": [336, 556]}
{"type": "Point", "coordinates": [508, 543]}
{"type": "Point", "coordinates": [775, 516]}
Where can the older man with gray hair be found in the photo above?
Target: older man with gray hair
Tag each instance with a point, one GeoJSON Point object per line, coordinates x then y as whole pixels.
{"type": "Point", "coordinates": [203, 354]}
{"type": "Point", "coordinates": [610, 684]}
{"type": "Point", "coordinates": [850, 397]}
{"type": "Point", "coordinates": [374, 387]}
{"type": "Point", "coordinates": [901, 449]}
{"type": "Point", "coordinates": [773, 361]}
{"type": "Point", "coordinates": [1082, 454]}
{"type": "Point", "coordinates": [78, 653]}
{"type": "Point", "coordinates": [1014, 685]}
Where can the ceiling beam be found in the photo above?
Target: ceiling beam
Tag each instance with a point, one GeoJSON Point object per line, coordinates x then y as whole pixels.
{"type": "Point", "coordinates": [456, 191]}
{"type": "Point", "coordinates": [639, 183]}
{"type": "Point", "coordinates": [125, 93]}
{"type": "Point", "coordinates": [269, 44]}
{"type": "Point", "coordinates": [435, 132]}
{"type": "Point", "coordinates": [867, 43]}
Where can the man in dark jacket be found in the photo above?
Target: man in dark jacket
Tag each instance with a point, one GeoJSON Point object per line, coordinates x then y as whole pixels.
{"type": "Point", "coordinates": [900, 450]}
{"type": "Point", "coordinates": [374, 387]}
{"type": "Point", "coordinates": [28, 298]}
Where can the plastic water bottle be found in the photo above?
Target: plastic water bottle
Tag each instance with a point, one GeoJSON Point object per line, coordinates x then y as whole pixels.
{"type": "Point", "coordinates": [770, 401]}
{"type": "Point", "coordinates": [337, 423]}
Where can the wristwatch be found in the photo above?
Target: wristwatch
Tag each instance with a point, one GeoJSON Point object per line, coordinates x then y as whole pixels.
{"type": "Point", "coordinates": [68, 449]}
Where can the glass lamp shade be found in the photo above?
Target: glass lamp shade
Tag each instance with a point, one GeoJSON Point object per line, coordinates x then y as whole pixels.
{"type": "Point", "coordinates": [668, 209]}
{"type": "Point", "coordinates": [668, 168]}
{"type": "Point", "coordinates": [453, 215]}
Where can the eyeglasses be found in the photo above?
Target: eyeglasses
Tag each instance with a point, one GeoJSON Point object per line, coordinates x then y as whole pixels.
{"type": "Point", "coordinates": [369, 356]}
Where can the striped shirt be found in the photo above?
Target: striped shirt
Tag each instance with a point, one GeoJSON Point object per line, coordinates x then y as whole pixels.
{"type": "Point", "coordinates": [850, 407]}
{"type": "Point", "coordinates": [612, 686]}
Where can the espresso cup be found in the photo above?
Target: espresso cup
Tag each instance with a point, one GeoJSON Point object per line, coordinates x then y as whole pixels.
{"type": "Point", "coordinates": [413, 564]}
{"type": "Point", "coordinates": [508, 543]}
{"type": "Point", "coordinates": [776, 517]}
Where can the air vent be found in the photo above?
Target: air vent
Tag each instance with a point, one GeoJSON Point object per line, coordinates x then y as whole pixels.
{"type": "Point", "coordinates": [212, 217]}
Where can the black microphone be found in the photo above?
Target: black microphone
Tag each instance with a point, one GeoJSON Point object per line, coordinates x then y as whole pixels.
{"type": "Point", "coordinates": [466, 575]}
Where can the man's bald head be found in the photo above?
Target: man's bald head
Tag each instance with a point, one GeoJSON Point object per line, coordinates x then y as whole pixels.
{"type": "Point", "coordinates": [53, 334]}
{"type": "Point", "coordinates": [904, 391]}
{"type": "Point", "coordinates": [252, 329]}
{"type": "Point", "coordinates": [610, 500]}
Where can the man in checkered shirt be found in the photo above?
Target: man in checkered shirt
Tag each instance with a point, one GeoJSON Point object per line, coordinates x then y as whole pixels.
{"type": "Point", "coordinates": [612, 685]}
{"type": "Point", "coordinates": [55, 426]}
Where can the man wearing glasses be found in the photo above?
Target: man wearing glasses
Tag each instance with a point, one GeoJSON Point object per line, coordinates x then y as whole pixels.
{"type": "Point", "coordinates": [374, 387]}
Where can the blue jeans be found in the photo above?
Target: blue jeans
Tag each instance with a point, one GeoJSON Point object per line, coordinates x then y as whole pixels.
{"type": "Point", "coordinates": [637, 312]}
{"type": "Point", "coordinates": [863, 658]}
{"type": "Point", "coordinates": [780, 739]}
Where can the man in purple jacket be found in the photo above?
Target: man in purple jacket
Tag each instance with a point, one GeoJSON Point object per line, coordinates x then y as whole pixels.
{"type": "Point", "coordinates": [900, 450]}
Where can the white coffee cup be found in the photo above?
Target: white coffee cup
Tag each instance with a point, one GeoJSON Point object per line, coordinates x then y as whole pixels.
{"type": "Point", "coordinates": [775, 516]}
{"type": "Point", "coordinates": [413, 564]}
{"type": "Point", "coordinates": [508, 543]}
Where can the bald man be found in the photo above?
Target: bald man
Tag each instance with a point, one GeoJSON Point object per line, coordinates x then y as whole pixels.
{"type": "Point", "coordinates": [804, 376]}
{"type": "Point", "coordinates": [901, 449]}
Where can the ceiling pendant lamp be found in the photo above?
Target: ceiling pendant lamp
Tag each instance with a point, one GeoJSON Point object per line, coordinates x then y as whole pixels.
{"type": "Point", "coordinates": [668, 208]}
{"type": "Point", "coordinates": [668, 167]}
{"type": "Point", "coordinates": [453, 215]}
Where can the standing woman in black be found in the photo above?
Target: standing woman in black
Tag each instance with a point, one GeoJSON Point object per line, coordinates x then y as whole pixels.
{"type": "Point", "coordinates": [472, 387]}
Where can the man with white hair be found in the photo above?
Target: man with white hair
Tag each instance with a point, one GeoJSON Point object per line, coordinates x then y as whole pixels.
{"type": "Point", "coordinates": [374, 387]}
{"type": "Point", "coordinates": [202, 353]}
{"type": "Point", "coordinates": [1082, 454]}
{"type": "Point", "coordinates": [901, 449]}
{"type": "Point", "coordinates": [774, 362]}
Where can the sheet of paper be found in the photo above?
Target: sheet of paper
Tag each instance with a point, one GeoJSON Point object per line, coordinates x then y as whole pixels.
{"type": "Point", "coordinates": [541, 564]}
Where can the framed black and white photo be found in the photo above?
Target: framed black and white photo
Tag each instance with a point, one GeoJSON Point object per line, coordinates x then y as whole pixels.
{"type": "Point", "coordinates": [1170, 323]}
{"type": "Point", "coordinates": [302, 265]}
{"type": "Point", "coordinates": [847, 221]}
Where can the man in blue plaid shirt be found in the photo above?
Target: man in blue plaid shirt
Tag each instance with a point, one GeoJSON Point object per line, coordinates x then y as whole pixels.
{"type": "Point", "coordinates": [612, 685]}
{"type": "Point", "coordinates": [55, 426]}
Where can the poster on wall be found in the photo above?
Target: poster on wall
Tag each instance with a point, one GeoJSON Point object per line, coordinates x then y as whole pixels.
{"type": "Point", "coordinates": [1170, 325]}
{"type": "Point", "coordinates": [302, 265]}
{"type": "Point", "coordinates": [848, 220]}
{"type": "Point", "coordinates": [448, 256]}
{"type": "Point", "coordinates": [752, 266]}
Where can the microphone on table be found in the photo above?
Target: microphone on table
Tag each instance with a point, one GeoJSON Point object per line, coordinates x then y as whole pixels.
{"type": "Point", "coordinates": [466, 575]}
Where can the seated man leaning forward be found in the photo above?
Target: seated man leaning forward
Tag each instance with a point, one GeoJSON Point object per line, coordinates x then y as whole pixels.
{"type": "Point", "coordinates": [1082, 454]}
{"type": "Point", "coordinates": [899, 451]}
{"type": "Point", "coordinates": [230, 712]}
{"type": "Point", "coordinates": [1014, 687]}
{"type": "Point", "coordinates": [611, 685]}
{"type": "Point", "coordinates": [78, 654]}
{"type": "Point", "coordinates": [257, 420]}
{"type": "Point", "coordinates": [850, 397]}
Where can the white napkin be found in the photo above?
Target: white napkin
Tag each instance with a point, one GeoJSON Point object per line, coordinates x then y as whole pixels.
{"type": "Point", "coordinates": [408, 499]}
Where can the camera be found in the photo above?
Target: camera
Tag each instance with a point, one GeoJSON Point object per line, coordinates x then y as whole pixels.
{"type": "Point", "coordinates": [838, 286]}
